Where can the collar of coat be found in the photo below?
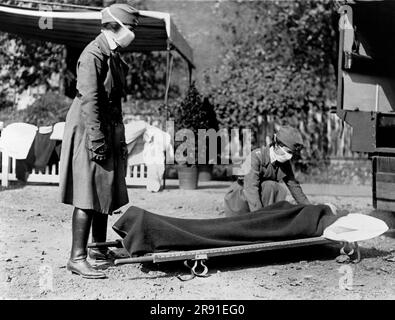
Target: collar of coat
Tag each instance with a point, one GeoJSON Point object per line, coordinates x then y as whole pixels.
{"type": "Point", "coordinates": [103, 44]}
{"type": "Point", "coordinates": [104, 47]}
{"type": "Point", "coordinates": [110, 41]}
{"type": "Point", "coordinates": [265, 155]}
{"type": "Point", "coordinates": [265, 158]}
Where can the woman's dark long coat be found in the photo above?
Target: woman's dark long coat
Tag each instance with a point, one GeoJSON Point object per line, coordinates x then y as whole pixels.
{"type": "Point", "coordinates": [94, 115]}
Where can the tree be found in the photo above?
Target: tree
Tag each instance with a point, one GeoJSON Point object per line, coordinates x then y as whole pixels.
{"type": "Point", "coordinates": [278, 60]}
{"type": "Point", "coordinates": [29, 63]}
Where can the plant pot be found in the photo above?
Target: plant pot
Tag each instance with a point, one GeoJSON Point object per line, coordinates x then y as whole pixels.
{"type": "Point", "coordinates": [205, 172]}
{"type": "Point", "coordinates": [171, 172]}
{"type": "Point", "coordinates": [188, 177]}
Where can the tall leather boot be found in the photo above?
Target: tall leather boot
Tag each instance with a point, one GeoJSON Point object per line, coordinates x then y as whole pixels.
{"type": "Point", "coordinates": [77, 263]}
{"type": "Point", "coordinates": [99, 234]}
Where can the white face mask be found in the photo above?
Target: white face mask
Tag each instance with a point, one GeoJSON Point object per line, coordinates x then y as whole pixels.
{"type": "Point", "coordinates": [281, 154]}
{"type": "Point", "coordinates": [124, 36]}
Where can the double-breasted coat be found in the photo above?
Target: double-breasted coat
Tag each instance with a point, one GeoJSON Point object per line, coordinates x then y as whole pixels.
{"type": "Point", "coordinates": [94, 120]}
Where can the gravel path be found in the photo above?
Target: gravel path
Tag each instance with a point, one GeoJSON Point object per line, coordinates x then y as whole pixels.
{"type": "Point", "coordinates": [35, 239]}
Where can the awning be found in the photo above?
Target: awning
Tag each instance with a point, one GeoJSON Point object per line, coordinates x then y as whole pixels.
{"type": "Point", "coordinates": [156, 30]}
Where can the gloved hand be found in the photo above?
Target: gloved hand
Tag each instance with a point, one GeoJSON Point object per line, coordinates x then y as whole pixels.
{"type": "Point", "coordinates": [100, 154]}
{"type": "Point", "coordinates": [333, 207]}
{"type": "Point", "coordinates": [98, 150]}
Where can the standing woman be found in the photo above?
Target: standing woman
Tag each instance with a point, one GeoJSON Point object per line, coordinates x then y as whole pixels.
{"type": "Point", "coordinates": [94, 154]}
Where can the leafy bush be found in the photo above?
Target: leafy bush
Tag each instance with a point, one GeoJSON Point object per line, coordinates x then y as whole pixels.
{"type": "Point", "coordinates": [194, 112]}
{"type": "Point", "coordinates": [26, 64]}
{"type": "Point", "coordinates": [146, 77]}
{"type": "Point", "coordinates": [30, 63]}
{"type": "Point", "coordinates": [49, 109]}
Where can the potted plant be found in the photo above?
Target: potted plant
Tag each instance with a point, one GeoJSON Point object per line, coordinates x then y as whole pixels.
{"type": "Point", "coordinates": [48, 109]}
{"type": "Point", "coordinates": [208, 121]}
{"type": "Point", "coordinates": [192, 113]}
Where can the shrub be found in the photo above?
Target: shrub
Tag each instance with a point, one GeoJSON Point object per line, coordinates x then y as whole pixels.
{"type": "Point", "coordinates": [194, 112]}
{"type": "Point", "coordinates": [47, 110]}
{"type": "Point", "coordinates": [279, 62]}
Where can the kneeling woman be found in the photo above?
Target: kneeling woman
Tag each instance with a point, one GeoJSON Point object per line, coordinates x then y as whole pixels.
{"type": "Point", "coordinates": [265, 168]}
{"type": "Point", "coordinates": [93, 157]}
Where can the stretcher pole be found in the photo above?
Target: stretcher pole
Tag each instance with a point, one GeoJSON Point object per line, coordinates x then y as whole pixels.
{"type": "Point", "coordinates": [109, 244]}
{"type": "Point", "coordinates": [204, 254]}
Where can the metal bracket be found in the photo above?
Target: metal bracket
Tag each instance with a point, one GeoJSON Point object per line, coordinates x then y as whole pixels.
{"type": "Point", "coordinates": [351, 249]}
{"type": "Point", "coordinates": [198, 264]}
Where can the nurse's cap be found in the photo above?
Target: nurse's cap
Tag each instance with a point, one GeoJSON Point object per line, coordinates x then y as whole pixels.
{"type": "Point", "coordinates": [290, 137]}
{"type": "Point", "coordinates": [122, 11]}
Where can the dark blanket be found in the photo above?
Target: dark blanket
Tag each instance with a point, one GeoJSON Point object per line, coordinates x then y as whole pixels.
{"type": "Point", "coordinates": [145, 232]}
{"type": "Point", "coordinates": [42, 152]}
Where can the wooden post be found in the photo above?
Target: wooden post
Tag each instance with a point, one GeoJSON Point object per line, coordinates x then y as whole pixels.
{"type": "Point", "coordinates": [190, 69]}
{"type": "Point", "coordinates": [169, 67]}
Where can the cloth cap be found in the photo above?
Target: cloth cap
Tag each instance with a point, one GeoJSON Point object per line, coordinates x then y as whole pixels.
{"type": "Point", "coordinates": [290, 137]}
{"type": "Point", "coordinates": [124, 12]}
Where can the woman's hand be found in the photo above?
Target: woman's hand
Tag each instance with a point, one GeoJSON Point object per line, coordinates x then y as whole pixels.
{"type": "Point", "coordinates": [332, 206]}
{"type": "Point", "coordinates": [98, 151]}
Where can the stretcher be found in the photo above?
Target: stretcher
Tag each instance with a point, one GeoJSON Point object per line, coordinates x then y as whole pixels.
{"type": "Point", "coordinates": [195, 260]}
{"type": "Point", "coordinates": [137, 237]}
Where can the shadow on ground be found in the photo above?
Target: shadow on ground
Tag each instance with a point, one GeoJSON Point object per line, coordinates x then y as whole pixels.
{"type": "Point", "coordinates": [387, 216]}
{"type": "Point", "coordinates": [199, 187]}
{"type": "Point", "coordinates": [13, 185]}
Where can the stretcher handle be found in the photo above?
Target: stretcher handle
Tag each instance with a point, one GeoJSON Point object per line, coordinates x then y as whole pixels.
{"type": "Point", "coordinates": [134, 260]}
{"type": "Point", "coordinates": [116, 244]}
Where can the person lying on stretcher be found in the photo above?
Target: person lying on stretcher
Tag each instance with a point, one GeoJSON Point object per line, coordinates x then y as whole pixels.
{"type": "Point", "coordinates": [263, 170]}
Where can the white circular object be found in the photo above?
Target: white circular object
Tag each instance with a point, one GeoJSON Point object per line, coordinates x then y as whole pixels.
{"type": "Point", "coordinates": [355, 227]}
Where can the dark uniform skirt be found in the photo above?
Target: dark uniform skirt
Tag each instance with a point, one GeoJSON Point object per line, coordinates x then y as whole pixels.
{"type": "Point", "coordinates": [236, 202]}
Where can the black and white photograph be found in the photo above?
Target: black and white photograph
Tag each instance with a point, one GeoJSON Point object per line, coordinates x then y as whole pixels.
{"type": "Point", "coordinates": [208, 151]}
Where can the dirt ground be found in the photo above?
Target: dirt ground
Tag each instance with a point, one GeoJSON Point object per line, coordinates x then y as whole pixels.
{"type": "Point", "coordinates": [35, 235]}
